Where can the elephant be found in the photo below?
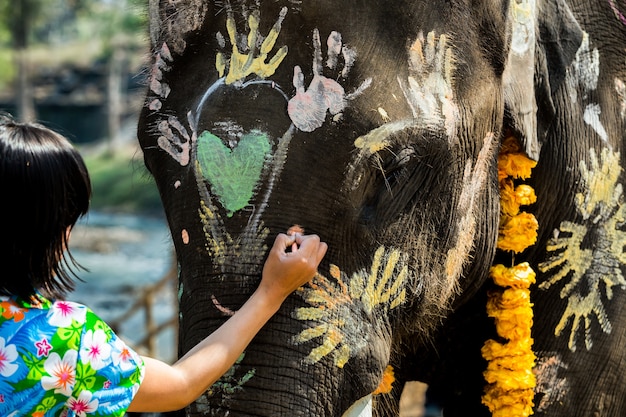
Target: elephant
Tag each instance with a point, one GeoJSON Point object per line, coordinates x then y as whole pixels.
{"type": "Point", "coordinates": [377, 125]}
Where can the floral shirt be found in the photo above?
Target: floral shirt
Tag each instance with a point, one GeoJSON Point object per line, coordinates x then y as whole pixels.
{"type": "Point", "coordinates": [59, 359]}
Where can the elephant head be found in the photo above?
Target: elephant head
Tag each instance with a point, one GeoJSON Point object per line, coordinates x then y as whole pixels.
{"type": "Point", "coordinates": [375, 125]}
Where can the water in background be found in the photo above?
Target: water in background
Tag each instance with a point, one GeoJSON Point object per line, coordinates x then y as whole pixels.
{"type": "Point", "coordinates": [124, 254]}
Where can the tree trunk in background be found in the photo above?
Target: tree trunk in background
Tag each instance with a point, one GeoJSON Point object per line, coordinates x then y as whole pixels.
{"type": "Point", "coordinates": [115, 102]}
{"type": "Point", "coordinates": [20, 28]}
{"type": "Point", "coordinates": [25, 101]}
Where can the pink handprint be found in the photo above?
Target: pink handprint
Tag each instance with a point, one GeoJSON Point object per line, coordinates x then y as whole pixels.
{"type": "Point", "coordinates": [308, 108]}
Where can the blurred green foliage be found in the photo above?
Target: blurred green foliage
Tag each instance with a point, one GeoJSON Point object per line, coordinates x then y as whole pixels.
{"type": "Point", "coordinates": [61, 31]}
{"type": "Point", "coordinates": [121, 183]}
{"type": "Point", "coordinates": [79, 33]}
{"type": "Point", "coordinates": [7, 69]}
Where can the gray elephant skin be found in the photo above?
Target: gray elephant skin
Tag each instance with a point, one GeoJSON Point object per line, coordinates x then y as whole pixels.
{"type": "Point", "coordinates": [377, 125]}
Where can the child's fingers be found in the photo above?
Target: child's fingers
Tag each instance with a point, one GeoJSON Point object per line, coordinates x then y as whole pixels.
{"type": "Point", "coordinates": [321, 251]}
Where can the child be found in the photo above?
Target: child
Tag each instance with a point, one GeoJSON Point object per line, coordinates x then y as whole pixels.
{"type": "Point", "coordinates": [58, 358]}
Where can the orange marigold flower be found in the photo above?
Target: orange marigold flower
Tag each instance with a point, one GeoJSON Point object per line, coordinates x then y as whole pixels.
{"type": "Point", "coordinates": [518, 276]}
{"type": "Point", "coordinates": [386, 384]}
{"type": "Point", "coordinates": [518, 232]}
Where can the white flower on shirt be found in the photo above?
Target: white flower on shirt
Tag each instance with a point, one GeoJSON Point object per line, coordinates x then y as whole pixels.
{"type": "Point", "coordinates": [122, 355]}
{"type": "Point", "coordinates": [61, 372]}
{"type": "Point", "coordinates": [8, 355]}
{"type": "Point", "coordinates": [63, 312]}
{"type": "Point", "coordinates": [83, 405]}
{"type": "Point", "coordinates": [95, 349]}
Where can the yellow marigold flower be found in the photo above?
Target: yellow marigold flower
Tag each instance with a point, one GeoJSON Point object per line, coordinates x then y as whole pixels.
{"type": "Point", "coordinates": [493, 349]}
{"type": "Point", "coordinates": [513, 411]}
{"type": "Point", "coordinates": [518, 233]}
{"type": "Point", "coordinates": [515, 297]}
{"type": "Point", "coordinates": [513, 323]}
{"type": "Point", "coordinates": [525, 195]}
{"type": "Point", "coordinates": [515, 327]}
{"type": "Point", "coordinates": [518, 366]}
{"type": "Point", "coordinates": [516, 165]}
{"type": "Point", "coordinates": [500, 398]}
{"type": "Point", "coordinates": [386, 384]}
{"type": "Point", "coordinates": [507, 302]}
{"type": "Point", "coordinates": [509, 370]}
{"type": "Point", "coordinates": [509, 205]}
{"type": "Point", "coordinates": [508, 380]}
{"type": "Point", "coordinates": [518, 403]}
{"type": "Point", "coordinates": [511, 197]}
{"type": "Point", "coordinates": [518, 276]}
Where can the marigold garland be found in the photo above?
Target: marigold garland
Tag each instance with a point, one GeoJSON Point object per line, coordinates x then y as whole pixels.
{"type": "Point", "coordinates": [511, 382]}
{"type": "Point", "coordinates": [386, 384]}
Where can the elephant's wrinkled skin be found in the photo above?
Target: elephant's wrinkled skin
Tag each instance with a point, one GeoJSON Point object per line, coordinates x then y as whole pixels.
{"type": "Point", "coordinates": [376, 125]}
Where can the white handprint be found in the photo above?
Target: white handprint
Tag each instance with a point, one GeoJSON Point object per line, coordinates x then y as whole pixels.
{"type": "Point", "coordinates": [429, 88]}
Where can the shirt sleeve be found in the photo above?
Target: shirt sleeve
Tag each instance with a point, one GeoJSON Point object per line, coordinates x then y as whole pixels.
{"type": "Point", "coordinates": [108, 372]}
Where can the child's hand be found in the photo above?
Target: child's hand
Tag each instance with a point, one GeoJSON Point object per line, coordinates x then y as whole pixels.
{"type": "Point", "coordinates": [292, 262]}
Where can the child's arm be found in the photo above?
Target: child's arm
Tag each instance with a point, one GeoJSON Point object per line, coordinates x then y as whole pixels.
{"type": "Point", "coordinates": [191, 375]}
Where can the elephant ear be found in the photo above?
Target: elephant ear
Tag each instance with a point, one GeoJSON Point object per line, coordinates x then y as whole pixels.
{"type": "Point", "coordinates": [544, 40]}
{"type": "Point", "coordinates": [171, 21]}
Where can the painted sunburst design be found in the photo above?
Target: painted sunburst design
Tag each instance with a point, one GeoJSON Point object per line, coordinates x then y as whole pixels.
{"type": "Point", "coordinates": [584, 269]}
{"type": "Point", "coordinates": [340, 305]}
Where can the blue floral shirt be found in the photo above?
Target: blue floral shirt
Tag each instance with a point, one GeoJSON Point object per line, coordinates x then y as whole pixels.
{"type": "Point", "coordinates": [60, 359]}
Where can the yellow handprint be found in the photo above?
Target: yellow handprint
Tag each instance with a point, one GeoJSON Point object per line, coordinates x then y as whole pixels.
{"type": "Point", "coordinates": [252, 59]}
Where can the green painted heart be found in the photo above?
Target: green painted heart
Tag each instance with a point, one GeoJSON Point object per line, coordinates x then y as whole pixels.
{"type": "Point", "coordinates": [233, 173]}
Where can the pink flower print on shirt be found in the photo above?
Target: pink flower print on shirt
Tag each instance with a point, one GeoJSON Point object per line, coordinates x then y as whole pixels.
{"type": "Point", "coordinates": [8, 355]}
{"type": "Point", "coordinates": [83, 405]}
{"type": "Point", "coordinates": [43, 347]}
{"type": "Point", "coordinates": [95, 349]}
{"type": "Point", "coordinates": [62, 372]}
{"type": "Point", "coordinates": [62, 313]}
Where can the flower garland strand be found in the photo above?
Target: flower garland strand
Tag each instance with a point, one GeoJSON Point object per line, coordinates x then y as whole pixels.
{"type": "Point", "coordinates": [511, 382]}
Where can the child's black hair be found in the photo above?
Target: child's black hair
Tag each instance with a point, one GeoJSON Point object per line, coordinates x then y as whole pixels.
{"type": "Point", "coordinates": [44, 189]}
